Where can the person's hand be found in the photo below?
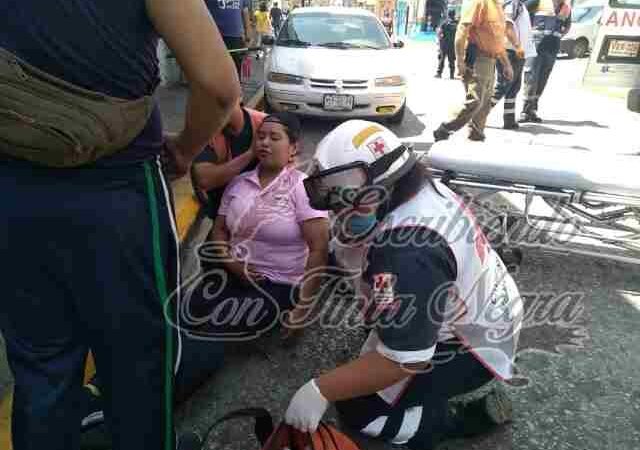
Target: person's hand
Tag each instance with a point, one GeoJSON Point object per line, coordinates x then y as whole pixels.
{"type": "Point", "coordinates": [173, 160]}
{"type": "Point", "coordinates": [306, 409]}
{"type": "Point", "coordinates": [245, 272]}
{"type": "Point", "coordinates": [507, 71]}
{"type": "Point", "coordinates": [520, 52]}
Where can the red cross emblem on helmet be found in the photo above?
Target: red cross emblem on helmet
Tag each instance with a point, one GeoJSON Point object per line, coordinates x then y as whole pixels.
{"type": "Point", "coordinates": [378, 147]}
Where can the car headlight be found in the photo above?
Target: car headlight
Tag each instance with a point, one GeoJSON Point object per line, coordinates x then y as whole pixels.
{"type": "Point", "coordinates": [395, 80]}
{"type": "Point", "coordinates": [285, 78]}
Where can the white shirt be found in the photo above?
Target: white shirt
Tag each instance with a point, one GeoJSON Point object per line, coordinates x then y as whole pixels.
{"type": "Point", "coordinates": [522, 26]}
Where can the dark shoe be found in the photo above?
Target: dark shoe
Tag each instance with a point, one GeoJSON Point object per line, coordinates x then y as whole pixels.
{"type": "Point", "coordinates": [481, 415]}
{"type": "Point", "coordinates": [529, 117]}
{"type": "Point", "coordinates": [511, 125]}
{"type": "Point", "coordinates": [441, 133]}
{"type": "Point", "coordinates": [476, 137]}
{"type": "Point", "coordinates": [92, 413]}
{"type": "Point", "coordinates": [452, 75]}
{"type": "Point", "coordinates": [438, 75]}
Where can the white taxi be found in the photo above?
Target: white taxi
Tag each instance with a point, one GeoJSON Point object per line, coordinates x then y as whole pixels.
{"type": "Point", "coordinates": [336, 62]}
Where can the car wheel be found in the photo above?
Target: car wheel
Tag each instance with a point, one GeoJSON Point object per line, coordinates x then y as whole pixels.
{"type": "Point", "coordinates": [399, 116]}
{"type": "Point", "coordinates": [580, 49]}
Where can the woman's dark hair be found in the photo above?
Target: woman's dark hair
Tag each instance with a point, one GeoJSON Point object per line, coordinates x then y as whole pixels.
{"type": "Point", "coordinates": [410, 184]}
{"type": "Point", "coordinates": [263, 7]}
{"type": "Point", "coordinates": [289, 121]}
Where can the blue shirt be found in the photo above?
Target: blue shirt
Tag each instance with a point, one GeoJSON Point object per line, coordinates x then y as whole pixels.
{"type": "Point", "coordinates": [228, 16]}
{"type": "Point", "coordinates": [104, 46]}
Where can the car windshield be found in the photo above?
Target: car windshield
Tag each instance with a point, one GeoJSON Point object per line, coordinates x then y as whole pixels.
{"type": "Point", "coordinates": [341, 31]}
{"type": "Point", "coordinates": [625, 3]}
{"type": "Point", "coordinates": [585, 14]}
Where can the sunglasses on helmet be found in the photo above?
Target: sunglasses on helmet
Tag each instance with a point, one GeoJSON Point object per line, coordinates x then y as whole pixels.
{"type": "Point", "coordinates": [341, 186]}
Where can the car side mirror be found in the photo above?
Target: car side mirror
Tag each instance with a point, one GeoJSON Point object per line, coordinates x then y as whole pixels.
{"type": "Point", "coordinates": [633, 100]}
{"type": "Point", "coordinates": [268, 40]}
{"type": "Point", "coordinates": [398, 44]}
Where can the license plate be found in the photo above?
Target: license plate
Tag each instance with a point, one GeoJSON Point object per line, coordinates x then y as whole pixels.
{"type": "Point", "coordinates": [333, 102]}
{"type": "Point", "coordinates": [623, 49]}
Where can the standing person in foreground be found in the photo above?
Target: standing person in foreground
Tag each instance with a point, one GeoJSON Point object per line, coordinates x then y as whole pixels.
{"type": "Point", "coordinates": [479, 42]}
{"type": "Point", "coordinates": [519, 48]}
{"type": "Point", "coordinates": [445, 312]}
{"type": "Point", "coordinates": [101, 275]}
{"type": "Point", "coordinates": [551, 21]}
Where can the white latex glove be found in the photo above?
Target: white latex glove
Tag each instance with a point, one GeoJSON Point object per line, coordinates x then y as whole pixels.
{"type": "Point", "coordinates": [306, 409]}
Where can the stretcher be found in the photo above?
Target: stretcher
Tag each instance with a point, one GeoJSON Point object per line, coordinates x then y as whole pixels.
{"type": "Point", "coordinates": [570, 200]}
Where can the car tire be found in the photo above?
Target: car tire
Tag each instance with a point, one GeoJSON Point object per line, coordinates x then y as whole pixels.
{"type": "Point", "coordinates": [580, 49]}
{"type": "Point", "coordinates": [399, 116]}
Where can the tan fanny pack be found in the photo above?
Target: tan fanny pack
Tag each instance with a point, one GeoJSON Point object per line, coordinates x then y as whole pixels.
{"type": "Point", "coordinates": [49, 121]}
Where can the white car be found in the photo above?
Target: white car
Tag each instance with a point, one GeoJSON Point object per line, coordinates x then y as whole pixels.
{"type": "Point", "coordinates": [585, 20]}
{"type": "Point", "coordinates": [336, 62]}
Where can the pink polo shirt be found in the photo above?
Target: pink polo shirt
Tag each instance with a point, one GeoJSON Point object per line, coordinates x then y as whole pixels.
{"type": "Point", "coordinates": [265, 224]}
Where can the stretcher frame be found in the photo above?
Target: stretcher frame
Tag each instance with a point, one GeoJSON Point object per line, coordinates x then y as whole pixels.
{"type": "Point", "coordinates": [597, 219]}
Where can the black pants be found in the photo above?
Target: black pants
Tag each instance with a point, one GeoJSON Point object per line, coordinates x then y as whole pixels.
{"type": "Point", "coordinates": [447, 52]}
{"type": "Point", "coordinates": [536, 75]}
{"type": "Point", "coordinates": [90, 262]}
{"type": "Point", "coordinates": [208, 329]}
{"type": "Point", "coordinates": [233, 43]}
{"type": "Point", "coordinates": [421, 415]}
{"type": "Point", "coordinates": [508, 89]}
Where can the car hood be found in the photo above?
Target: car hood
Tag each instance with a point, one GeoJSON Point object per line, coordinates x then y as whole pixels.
{"type": "Point", "coordinates": [352, 64]}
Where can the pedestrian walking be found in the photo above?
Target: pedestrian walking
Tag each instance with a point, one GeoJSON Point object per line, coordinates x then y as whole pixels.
{"type": "Point", "coordinates": [234, 22]}
{"type": "Point", "coordinates": [519, 46]}
{"type": "Point", "coordinates": [276, 18]}
{"type": "Point", "coordinates": [446, 39]}
{"type": "Point", "coordinates": [551, 21]}
{"type": "Point", "coordinates": [479, 42]}
{"type": "Point", "coordinates": [87, 226]}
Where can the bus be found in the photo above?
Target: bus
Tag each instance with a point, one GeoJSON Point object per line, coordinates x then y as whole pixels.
{"type": "Point", "coordinates": [614, 63]}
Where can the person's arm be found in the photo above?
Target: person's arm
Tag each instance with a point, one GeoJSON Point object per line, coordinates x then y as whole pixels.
{"type": "Point", "coordinates": [221, 237]}
{"type": "Point", "coordinates": [248, 28]}
{"type": "Point", "coordinates": [214, 90]}
{"type": "Point", "coordinates": [316, 235]}
{"type": "Point", "coordinates": [462, 39]}
{"type": "Point", "coordinates": [210, 175]}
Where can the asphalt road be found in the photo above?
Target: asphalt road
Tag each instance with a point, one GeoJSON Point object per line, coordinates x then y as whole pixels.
{"type": "Point", "coordinates": [578, 358]}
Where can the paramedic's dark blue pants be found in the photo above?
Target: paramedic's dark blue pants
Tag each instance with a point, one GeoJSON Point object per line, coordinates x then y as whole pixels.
{"type": "Point", "coordinates": [449, 377]}
{"type": "Point", "coordinates": [508, 89]}
{"type": "Point", "coordinates": [89, 257]}
{"type": "Point", "coordinates": [536, 75]}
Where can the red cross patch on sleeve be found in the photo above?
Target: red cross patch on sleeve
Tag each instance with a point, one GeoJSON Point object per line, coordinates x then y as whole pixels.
{"type": "Point", "coordinates": [383, 293]}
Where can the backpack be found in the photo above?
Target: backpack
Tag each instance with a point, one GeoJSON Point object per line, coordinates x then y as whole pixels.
{"type": "Point", "coordinates": [285, 436]}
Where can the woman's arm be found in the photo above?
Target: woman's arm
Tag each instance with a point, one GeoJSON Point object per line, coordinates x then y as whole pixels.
{"type": "Point", "coordinates": [316, 235]}
{"type": "Point", "coordinates": [190, 32]}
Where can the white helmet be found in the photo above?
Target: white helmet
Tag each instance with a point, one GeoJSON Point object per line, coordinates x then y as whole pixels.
{"type": "Point", "coordinates": [355, 154]}
{"type": "Point", "coordinates": [360, 140]}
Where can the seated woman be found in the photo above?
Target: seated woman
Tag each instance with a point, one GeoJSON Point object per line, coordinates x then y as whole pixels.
{"type": "Point", "coordinates": [266, 237]}
{"type": "Point", "coordinates": [266, 240]}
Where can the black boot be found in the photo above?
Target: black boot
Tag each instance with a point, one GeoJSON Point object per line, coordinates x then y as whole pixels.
{"type": "Point", "coordinates": [438, 75]}
{"type": "Point", "coordinates": [510, 123]}
{"type": "Point", "coordinates": [482, 415]}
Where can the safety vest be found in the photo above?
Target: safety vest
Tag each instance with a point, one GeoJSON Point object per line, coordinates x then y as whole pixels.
{"type": "Point", "coordinates": [485, 309]}
{"type": "Point", "coordinates": [550, 20]}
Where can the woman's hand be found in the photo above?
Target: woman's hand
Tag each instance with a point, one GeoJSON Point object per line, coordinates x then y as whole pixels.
{"type": "Point", "coordinates": [245, 272]}
{"type": "Point", "coordinates": [293, 320]}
